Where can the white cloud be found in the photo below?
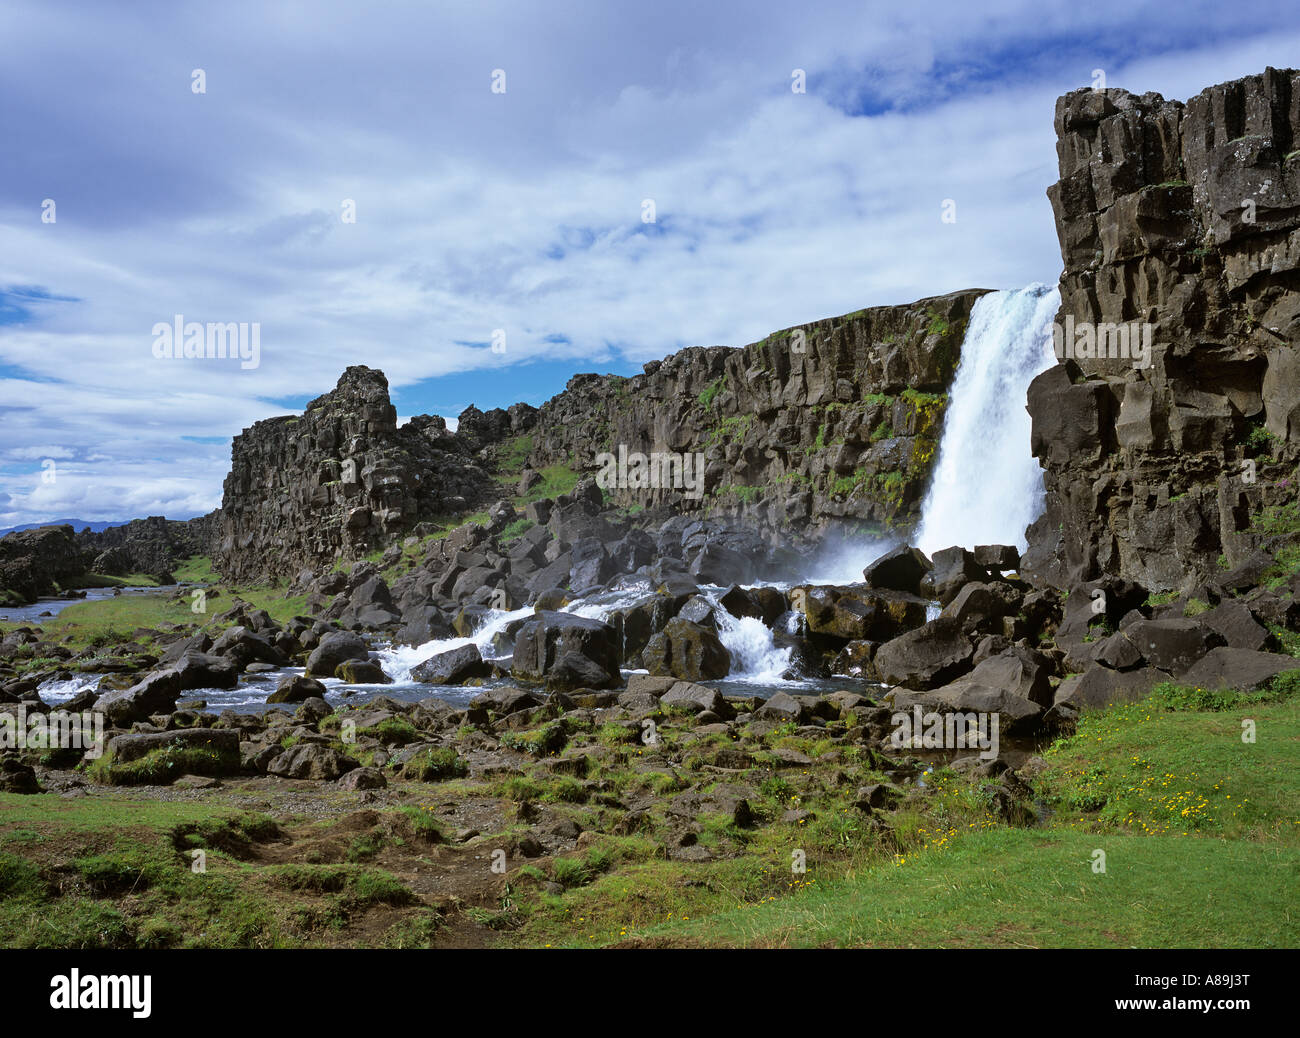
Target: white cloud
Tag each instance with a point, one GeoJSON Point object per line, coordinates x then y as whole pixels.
{"type": "Point", "coordinates": [772, 208]}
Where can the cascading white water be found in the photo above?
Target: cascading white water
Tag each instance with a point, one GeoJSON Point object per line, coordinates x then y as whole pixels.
{"type": "Point", "coordinates": [749, 642]}
{"type": "Point", "coordinates": [754, 655]}
{"type": "Point", "coordinates": [397, 660]}
{"type": "Point", "coordinates": [987, 487]}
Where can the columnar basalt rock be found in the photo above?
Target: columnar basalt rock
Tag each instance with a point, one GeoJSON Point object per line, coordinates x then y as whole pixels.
{"type": "Point", "coordinates": [1185, 218]}
{"type": "Point", "coordinates": [833, 422]}
{"type": "Point", "coordinates": [827, 423]}
{"type": "Point", "coordinates": [154, 545]}
{"type": "Point", "coordinates": [340, 481]}
{"type": "Point", "coordinates": [39, 562]}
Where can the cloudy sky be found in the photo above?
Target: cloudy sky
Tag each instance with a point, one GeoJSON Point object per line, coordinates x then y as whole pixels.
{"type": "Point", "coordinates": [523, 210]}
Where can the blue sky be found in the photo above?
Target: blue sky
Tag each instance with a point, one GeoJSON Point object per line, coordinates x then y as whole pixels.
{"type": "Point", "coordinates": [519, 211]}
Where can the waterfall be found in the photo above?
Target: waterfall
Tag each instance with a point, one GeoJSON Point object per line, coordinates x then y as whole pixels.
{"type": "Point", "coordinates": [987, 487]}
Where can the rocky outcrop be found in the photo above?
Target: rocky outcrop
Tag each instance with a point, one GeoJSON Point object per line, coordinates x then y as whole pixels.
{"type": "Point", "coordinates": [343, 480]}
{"type": "Point", "coordinates": [833, 424]}
{"type": "Point", "coordinates": [154, 546]}
{"type": "Point", "coordinates": [1186, 218]}
{"type": "Point", "coordinates": [39, 562]}
{"type": "Point", "coordinates": [813, 428]}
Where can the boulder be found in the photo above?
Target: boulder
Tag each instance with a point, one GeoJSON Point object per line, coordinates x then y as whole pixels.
{"type": "Point", "coordinates": [686, 650]}
{"type": "Point", "coordinates": [335, 648]}
{"type": "Point", "coordinates": [452, 667]}
{"type": "Point", "coordinates": [1100, 686]}
{"type": "Point", "coordinates": [202, 670]}
{"type": "Point", "coordinates": [997, 558]}
{"type": "Point", "coordinates": [17, 777]}
{"type": "Point", "coordinates": [244, 646]}
{"type": "Point", "coordinates": [1172, 645]}
{"type": "Point", "coordinates": [1236, 625]}
{"type": "Point", "coordinates": [311, 761]}
{"type": "Point", "coordinates": [297, 688]}
{"type": "Point", "coordinates": [953, 569]}
{"type": "Point", "coordinates": [222, 743]}
{"type": "Point", "coordinates": [1020, 671]}
{"type": "Point", "coordinates": [932, 655]}
{"type": "Point", "coordinates": [156, 693]}
{"type": "Point", "coordinates": [543, 641]}
{"type": "Point", "coordinates": [900, 569]}
{"type": "Point", "coordinates": [696, 698]}
{"type": "Point", "coordinates": [362, 672]}
{"type": "Point", "coordinates": [1243, 669]}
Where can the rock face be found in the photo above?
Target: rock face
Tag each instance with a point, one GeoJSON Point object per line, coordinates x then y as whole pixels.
{"type": "Point", "coordinates": [154, 546]}
{"type": "Point", "coordinates": [830, 421]}
{"type": "Point", "coordinates": [1185, 217]}
{"type": "Point", "coordinates": [343, 479]}
{"type": "Point", "coordinates": [37, 562]}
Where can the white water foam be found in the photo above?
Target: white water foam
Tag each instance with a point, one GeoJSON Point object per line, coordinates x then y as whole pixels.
{"type": "Point", "coordinates": [754, 654]}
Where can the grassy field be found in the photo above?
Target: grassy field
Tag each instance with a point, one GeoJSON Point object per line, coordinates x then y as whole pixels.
{"type": "Point", "coordinates": [105, 621]}
{"type": "Point", "coordinates": [1200, 833]}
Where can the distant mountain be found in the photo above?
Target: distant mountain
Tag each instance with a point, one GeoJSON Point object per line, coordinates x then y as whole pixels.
{"type": "Point", "coordinates": [77, 525]}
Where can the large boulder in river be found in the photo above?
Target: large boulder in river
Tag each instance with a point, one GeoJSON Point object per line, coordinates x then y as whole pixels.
{"type": "Point", "coordinates": [900, 569]}
{"type": "Point", "coordinates": [931, 655]}
{"type": "Point", "coordinates": [453, 667]}
{"type": "Point", "coordinates": [155, 693]}
{"type": "Point", "coordinates": [243, 646]}
{"type": "Point", "coordinates": [686, 650]}
{"type": "Point", "coordinates": [542, 642]}
{"type": "Point", "coordinates": [335, 648]}
{"type": "Point", "coordinates": [853, 613]}
{"type": "Point", "coordinates": [297, 688]}
{"type": "Point", "coordinates": [202, 670]}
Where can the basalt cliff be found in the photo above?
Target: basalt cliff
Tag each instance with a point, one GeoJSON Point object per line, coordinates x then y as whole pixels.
{"type": "Point", "coordinates": [1185, 217]}
{"type": "Point", "coordinates": [828, 426]}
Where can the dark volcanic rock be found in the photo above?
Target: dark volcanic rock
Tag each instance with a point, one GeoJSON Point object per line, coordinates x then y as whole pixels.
{"type": "Point", "coordinates": [931, 655]}
{"type": "Point", "coordinates": [901, 569]}
{"type": "Point", "coordinates": [1185, 216]}
{"type": "Point", "coordinates": [543, 642]}
{"type": "Point", "coordinates": [335, 648]}
{"type": "Point", "coordinates": [686, 650]}
{"type": "Point", "coordinates": [32, 562]}
{"type": "Point", "coordinates": [453, 667]}
{"type": "Point", "coordinates": [297, 688]}
{"type": "Point", "coordinates": [343, 479]}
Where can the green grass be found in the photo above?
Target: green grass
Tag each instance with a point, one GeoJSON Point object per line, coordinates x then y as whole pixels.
{"type": "Point", "coordinates": [513, 531]}
{"type": "Point", "coordinates": [435, 765]}
{"type": "Point", "coordinates": [556, 480]}
{"type": "Point", "coordinates": [712, 390]}
{"type": "Point", "coordinates": [197, 569]}
{"type": "Point", "coordinates": [113, 872]}
{"type": "Point", "coordinates": [1176, 763]}
{"type": "Point", "coordinates": [107, 621]}
{"type": "Point", "coordinates": [104, 580]}
{"type": "Point", "coordinates": [1013, 888]}
{"type": "Point", "coordinates": [1201, 833]}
